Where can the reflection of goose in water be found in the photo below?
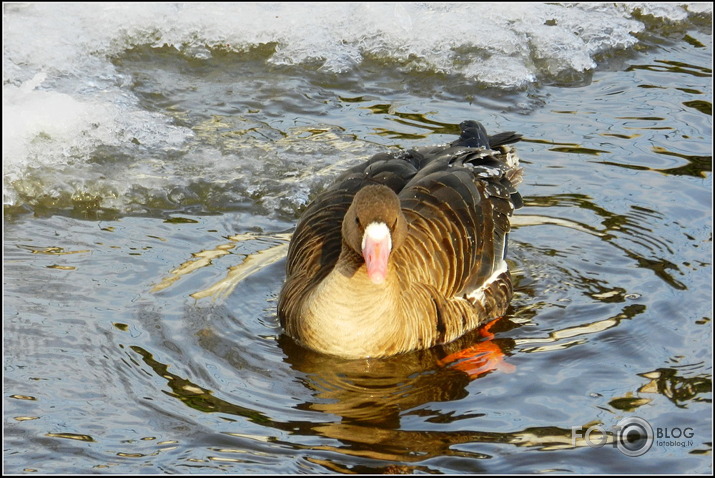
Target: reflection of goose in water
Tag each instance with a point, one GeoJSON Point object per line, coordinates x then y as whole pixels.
{"type": "Point", "coordinates": [361, 404]}
{"type": "Point", "coordinates": [376, 391]}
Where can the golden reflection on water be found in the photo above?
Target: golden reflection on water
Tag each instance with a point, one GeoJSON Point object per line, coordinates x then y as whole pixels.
{"type": "Point", "coordinates": [251, 264]}
{"type": "Point", "coordinates": [203, 259]}
{"type": "Point", "coordinates": [71, 436]}
{"type": "Point", "coordinates": [53, 251]}
{"type": "Point", "coordinates": [62, 268]}
{"type": "Point", "coordinates": [22, 397]}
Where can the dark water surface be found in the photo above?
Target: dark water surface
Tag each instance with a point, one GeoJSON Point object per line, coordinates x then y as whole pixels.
{"type": "Point", "coordinates": [139, 324]}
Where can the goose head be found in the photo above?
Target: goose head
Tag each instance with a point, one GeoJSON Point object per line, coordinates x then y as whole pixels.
{"type": "Point", "coordinates": [374, 227]}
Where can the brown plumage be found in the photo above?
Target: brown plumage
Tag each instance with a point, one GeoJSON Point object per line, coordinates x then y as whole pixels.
{"type": "Point", "coordinates": [406, 251]}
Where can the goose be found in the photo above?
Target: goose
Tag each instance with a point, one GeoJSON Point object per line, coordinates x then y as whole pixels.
{"type": "Point", "coordinates": [406, 250]}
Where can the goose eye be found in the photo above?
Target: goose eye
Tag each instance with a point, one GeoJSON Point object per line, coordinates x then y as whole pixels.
{"type": "Point", "coordinates": [357, 220]}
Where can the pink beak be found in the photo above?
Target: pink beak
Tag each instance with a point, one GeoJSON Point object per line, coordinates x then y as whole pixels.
{"type": "Point", "coordinates": [376, 251]}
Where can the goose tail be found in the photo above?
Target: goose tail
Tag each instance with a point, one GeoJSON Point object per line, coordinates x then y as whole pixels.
{"type": "Point", "coordinates": [474, 135]}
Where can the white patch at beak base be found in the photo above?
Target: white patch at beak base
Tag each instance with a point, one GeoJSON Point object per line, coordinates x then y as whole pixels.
{"type": "Point", "coordinates": [376, 247]}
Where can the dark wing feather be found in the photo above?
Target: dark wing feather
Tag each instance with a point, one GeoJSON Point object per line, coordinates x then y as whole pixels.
{"type": "Point", "coordinates": [441, 228]}
{"type": "Point", "coordinates": [458, 207]}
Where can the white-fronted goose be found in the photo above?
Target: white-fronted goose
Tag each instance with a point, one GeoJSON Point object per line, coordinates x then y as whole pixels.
{"type": "Point", "coordinates": [405, 251]}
